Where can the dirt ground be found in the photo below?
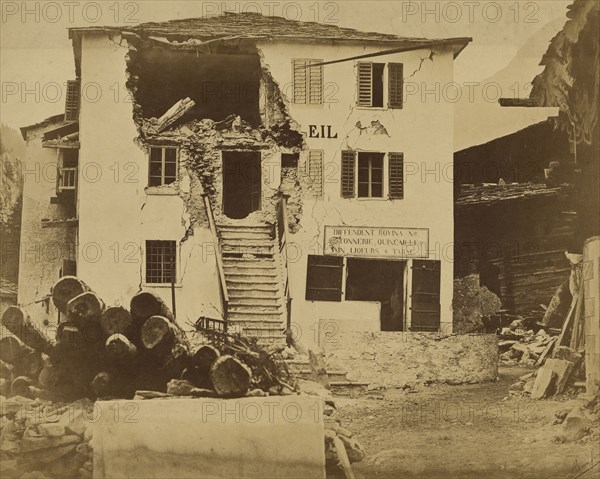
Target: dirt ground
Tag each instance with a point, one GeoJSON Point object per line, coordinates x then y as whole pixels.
{"type": "Point", "coordinates": [463, 432]}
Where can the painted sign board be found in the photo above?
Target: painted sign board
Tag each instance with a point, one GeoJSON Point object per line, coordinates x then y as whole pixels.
{"type": "Point", "coordinates": [376, 242]}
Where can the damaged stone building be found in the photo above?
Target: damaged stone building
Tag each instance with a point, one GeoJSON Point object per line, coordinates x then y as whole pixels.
{"type": "Point", "coordinates": [264, 173]}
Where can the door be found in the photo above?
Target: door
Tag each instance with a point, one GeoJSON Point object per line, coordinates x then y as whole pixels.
{"type": "Point", "coordinates": [425, 310]}
{"type": "Point", "coordinates": [241, 183]}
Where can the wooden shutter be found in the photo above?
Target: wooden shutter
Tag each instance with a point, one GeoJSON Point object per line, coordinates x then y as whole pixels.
{"type": "Point", "coordinates": [299, 75]}
{"type": "Point", "coordinates": [348, 174]}
{"type": "Point", "coordinates": [72, 101]}
{"type": "Point", "coordinates": [365, 84]}
{"type": "Point", "coordinates": [425, 308]}
{"type": "Point", "coordinates": [315, 83]}
{"type": "Point", "coordinates": [324, 278]}
{"type": "Point", "coordinates": [396, 174]}
{"type": "Point", "coordinates": [315, 171]}
{"type": "Point", "coordinates": [395, 83]}
{"type": "Point", "coordinates": [307, 82]}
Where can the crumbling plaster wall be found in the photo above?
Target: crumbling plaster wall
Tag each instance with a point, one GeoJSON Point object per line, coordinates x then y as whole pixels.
{"type": "Point", "coordinates": [422, 130]}
{"type": "Point", "coordinates": [403, 359]}
{"type": "Point", "coordinates": [43, 249]}
{"type": "Point", "coordinates": [117, 211]}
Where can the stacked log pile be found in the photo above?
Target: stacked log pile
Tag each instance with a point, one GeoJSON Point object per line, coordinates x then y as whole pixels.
{"type": "Point", "coordinates": [112, 352]}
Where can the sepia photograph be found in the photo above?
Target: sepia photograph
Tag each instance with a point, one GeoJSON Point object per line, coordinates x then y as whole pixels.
{"type": "Point", "coordinates": [304, 239]}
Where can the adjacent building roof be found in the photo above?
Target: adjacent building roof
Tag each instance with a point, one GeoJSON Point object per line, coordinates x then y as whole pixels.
{"type": "Point", "coordinates": [493, 193]}
{"type": "Point", "coordinates": [55, 121]}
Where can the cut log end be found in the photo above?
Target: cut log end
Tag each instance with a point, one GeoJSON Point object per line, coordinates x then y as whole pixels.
{"type": "Point", "coordinates": [85, 307]}
{"type": "Point", "coordinates": [118, 347]}
{"type": "Point", "coordinates": [230, 377]}
{"type": "Point", "coordinates": [65, 289]}
{"type": "Point", "coordinates": [145, 305]}
{"type": "Point", "coordinates": [115, 320]}
{"type": "Point", "coordinates": [157, 330]}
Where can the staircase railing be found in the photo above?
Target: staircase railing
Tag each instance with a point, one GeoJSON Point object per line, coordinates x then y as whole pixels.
{"type": "Point", "coordinates": [219, 259]}
{"type": "Point", "coordinates": [283, 236]}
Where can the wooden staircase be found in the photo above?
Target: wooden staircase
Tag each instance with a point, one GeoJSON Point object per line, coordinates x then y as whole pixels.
{"type": "Point", "coordinates": [253, 277]}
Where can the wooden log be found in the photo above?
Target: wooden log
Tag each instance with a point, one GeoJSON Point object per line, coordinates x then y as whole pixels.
{"type": "Point", "coordinates": [230, 377]}
{"type": "Point", "coordinates": [85, 307]}
{"type": "Point", "coordinates": [342, 456]}
{"type": "Point", "coordinates": [116, 320]}
{"type": "Point", "coordinates": [119, 348]}
{"type": "Point", "coordinates": [30, 364]}
{"type": "Point", "coordinates": [161, 335]}
{"type": "Point", "coordinates": [6, 370]}
{"type": "Point", "coordinates": [12, 349]}
{"type": "Point", "coordinates": [23, 386]}
{"type": "Point", "coordinates": [204, 357]}
{"type": "Point", "coordinates": [5, 387]}
{"type": "Point", "coordinates": [102, 384]}
{"type": "Point", "coordinates": [144, 305]}
{"type": "Point", "coordinates": [65, 289]}
{"type": "Point", "coordinates": [18, 322]}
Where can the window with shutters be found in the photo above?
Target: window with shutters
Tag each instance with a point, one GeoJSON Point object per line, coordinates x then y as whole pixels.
{"type": "Point", "coordinates": [163, 165]}
{"type": "Point", "coordinates": [307, 81]}
{"type": "Point", "coordinates": [370, 175]}
{"type": "Point", "coordinates": [370, 84]}
{"type": "Point", "coordinates": [324, 278]}
{"type": "Point", "coordinates": [161, 261]}
{"type": "Point", "coordinates": [396, 175]}
{"type": "Point", "coordinates": [72, 100]}
{"type": "Point", "coordinates": [315, 171]}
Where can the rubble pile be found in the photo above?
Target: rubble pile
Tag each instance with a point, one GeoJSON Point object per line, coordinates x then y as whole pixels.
{"type": "Point", "coordinates": [42, 440]}
{"type": "Point", "coordinates": [560, 355]}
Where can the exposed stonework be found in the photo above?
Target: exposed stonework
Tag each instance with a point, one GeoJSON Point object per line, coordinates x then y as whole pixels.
{"type": "Point", "coordinates": [403, 360]}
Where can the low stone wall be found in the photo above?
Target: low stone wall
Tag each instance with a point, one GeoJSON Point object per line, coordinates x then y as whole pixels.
{"type": "Point", "coordinates": [404, 359]}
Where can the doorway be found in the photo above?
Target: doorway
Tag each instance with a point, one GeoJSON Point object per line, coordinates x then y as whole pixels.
{"type": "Point", "coordinates": [241, 183]}
{"type": "Point", "coordinates": [378, 280]}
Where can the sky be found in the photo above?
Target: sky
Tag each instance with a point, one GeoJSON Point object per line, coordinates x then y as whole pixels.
{"type": "Point", "coordinates": [36, 56]}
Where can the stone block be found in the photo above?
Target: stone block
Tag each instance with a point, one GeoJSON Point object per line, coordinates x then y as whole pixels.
{"type": "Point", "coordinates": [201, 438]}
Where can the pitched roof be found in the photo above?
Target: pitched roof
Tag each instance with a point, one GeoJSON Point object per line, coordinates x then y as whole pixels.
{"type": "Point", "coordinates": [256, 26]}
{"type": "Point", "coordinates": [493, 193]}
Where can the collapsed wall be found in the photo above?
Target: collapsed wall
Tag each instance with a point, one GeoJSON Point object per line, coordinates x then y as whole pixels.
{"type": "Point", "coordinates": [230, 102]}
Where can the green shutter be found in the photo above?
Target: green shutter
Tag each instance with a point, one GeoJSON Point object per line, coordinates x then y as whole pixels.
{"type": "Point", "coordinates": [315, 171]}
{"type": "Point", "coordinates": [395, 83]}
{"type": "Point", "coordinates": [299, 80]}
{"type": "Point", "coordinates": [72, 101]}
{"type": "Point", "coordinates": [315, 83]}
{"type": "Point", "coordinates": [396, 175]}
{"type": "Point", "coordinates": [348, 174]}
{"type": "Point", "coordinates": [364, 84]}
{"type": "Point", "coordinates": [324, 278]}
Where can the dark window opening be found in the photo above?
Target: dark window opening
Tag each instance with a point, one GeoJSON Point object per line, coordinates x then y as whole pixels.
{"type": "Point", "coordinates": [370, 175]}
{"type": "Point", "coordinates": [241, 183]}
{"type": "Point", "coordinates": [370, 84]}
{"type": "Point", "coordinates": [289, 160]}
{"type": "Point", "coordinates": [219, 84]}
{"type": "Point", "coordinates": [378, 84]}
{"type": "Point", "coordinates": [160, 261]}
{"type": "Point", "coordinates": [163, 166]}
{"type": "Point", "coordinates": [378, 280]}
{"type": "Point", "coordinates": [324, 278]}
{"type": "Point", "coordinates": [425, 312]}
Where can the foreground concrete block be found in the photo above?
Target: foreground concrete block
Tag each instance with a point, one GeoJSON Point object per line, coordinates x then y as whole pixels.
{"type": "Point", "coordinates": [256, 437]}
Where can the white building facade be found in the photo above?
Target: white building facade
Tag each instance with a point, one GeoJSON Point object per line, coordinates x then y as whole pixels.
{"type": "Point", "coordinates": [320, 144]}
